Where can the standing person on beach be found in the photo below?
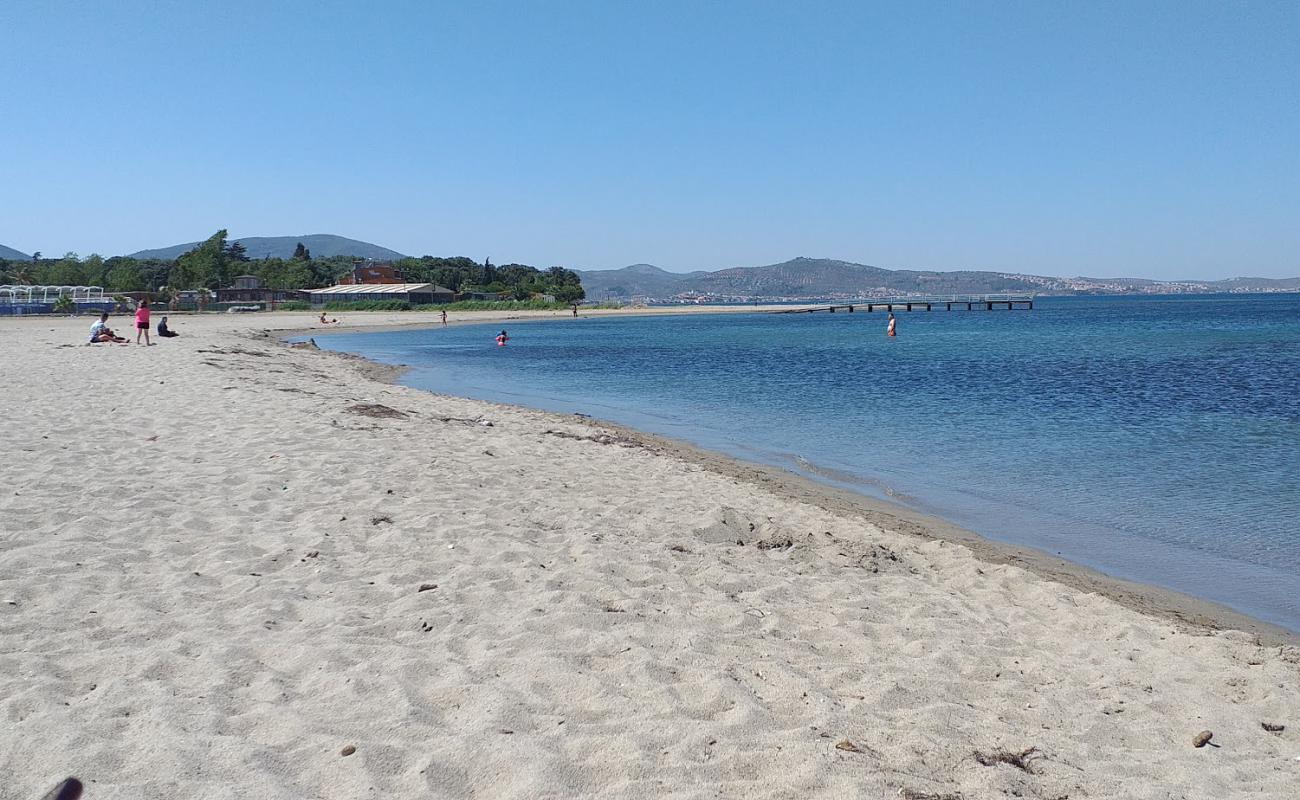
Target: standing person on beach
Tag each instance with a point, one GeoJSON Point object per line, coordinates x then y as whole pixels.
{"type": "Point", "coordinates": [142, 323]}
{"type": "Point", "coordinates": [893, 323]}
{"type": "Point", "coordinates": [444, 316]}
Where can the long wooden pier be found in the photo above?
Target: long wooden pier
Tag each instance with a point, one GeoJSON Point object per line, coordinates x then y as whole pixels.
{"type": "Point", "coordinates": [972, 302]}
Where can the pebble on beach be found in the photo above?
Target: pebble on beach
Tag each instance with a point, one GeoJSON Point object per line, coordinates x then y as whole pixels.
{"type": "Point", "coordinates": [347, 751]}
{"type": "Point", "coordinates": [1202, 739]}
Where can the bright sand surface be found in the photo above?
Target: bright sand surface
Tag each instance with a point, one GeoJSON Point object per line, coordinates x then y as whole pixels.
{"type": "Point", "coordinates": [211, 574]}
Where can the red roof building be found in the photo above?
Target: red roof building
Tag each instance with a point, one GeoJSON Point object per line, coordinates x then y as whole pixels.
{"type": "Point", "coordinates": [373, 273]}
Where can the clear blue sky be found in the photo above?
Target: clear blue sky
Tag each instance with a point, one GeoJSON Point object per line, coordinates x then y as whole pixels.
{"type": "Point", "coordinates": [1134, 138]}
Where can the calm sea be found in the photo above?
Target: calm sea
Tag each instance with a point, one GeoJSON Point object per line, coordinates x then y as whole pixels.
{"type": "Point", "coordinates": [1155, 439]}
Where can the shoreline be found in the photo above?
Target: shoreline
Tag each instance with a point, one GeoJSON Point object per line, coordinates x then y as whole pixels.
{"type": "Point", "coordinates": [265, 570]}
{"type": "Point", "coordinates": [1149, 599]}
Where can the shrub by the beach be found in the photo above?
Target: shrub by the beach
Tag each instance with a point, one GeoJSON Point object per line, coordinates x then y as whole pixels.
{"type": "Point", "coordinates": [496, 305]}
{"type": "Point", "coordinates": [64, 305]}
{"type": "Point", "coordinates": [369, 305]}
{"type": "Point", "coordinates": [507, 305]}
{"type": "Point", "coordinates": [293, 305]}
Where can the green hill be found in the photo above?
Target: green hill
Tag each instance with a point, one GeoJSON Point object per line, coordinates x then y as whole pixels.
{"type": "Point", "coordinates": [322, 245]}
{"type": "Point", "coordinates": [10, 254]}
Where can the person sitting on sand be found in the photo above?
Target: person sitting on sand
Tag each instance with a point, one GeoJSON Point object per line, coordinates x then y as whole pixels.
{"type": "Point", "coordinates": [324, 321]}
{"type": "Point", "coordinates": [100, 332]}
{"type": "Point", "coordinates": [164, 331]}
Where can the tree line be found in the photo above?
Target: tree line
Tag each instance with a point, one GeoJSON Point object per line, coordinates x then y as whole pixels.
{"type": "Point", "coordinates": [214, 263]}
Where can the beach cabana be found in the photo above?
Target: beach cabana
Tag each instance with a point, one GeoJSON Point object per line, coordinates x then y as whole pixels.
{"type": "Point", "coordinates": [417, 294]}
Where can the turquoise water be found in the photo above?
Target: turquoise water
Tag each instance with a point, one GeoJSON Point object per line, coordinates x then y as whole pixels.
{"type": "Point", "coordinates": [1155, 439]}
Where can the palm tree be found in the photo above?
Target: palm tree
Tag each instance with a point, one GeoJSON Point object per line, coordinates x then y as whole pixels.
{"type": "Point", "coordinates": [22, 273]}
{"type": "Point", "coordinates": [171, 295]}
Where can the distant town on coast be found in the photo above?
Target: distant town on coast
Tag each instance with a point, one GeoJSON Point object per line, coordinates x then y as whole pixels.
{"type": "Point", "coordinates": [313, 269]}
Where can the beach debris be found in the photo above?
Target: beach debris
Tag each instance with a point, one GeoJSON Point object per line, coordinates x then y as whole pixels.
{"type": "Point", "coordinates": [311, 554]}
{"type": "Point", "coordinates": [598, 438]}
{"type": "Point", "coordinates": [68, 789]}
{"type": "Point", "coordinates": [1021, 761]}
{"type": "Point", "coordinates": [378, 520]}
{"type": "Point", "coordinates": [506, 731]}
{"type": "Point", "coordinates": [847, 746]}
{"type": "Point", "coordinates": [1202, 739]}
{"type": "Point", "coordinates": [377, 410]}
{"type": "Point", "coordinates": [426, 587]}
{"type": "Point", "coordinates": [153, 438]}
{"type": "Point", "coordinates": [484, 422]}
{"type": "Point", "coordinates": [1272, 727]}
{"type": "Point", "coordinates": [912, 794]}
{"type": "Point", "coordinates": [465, 420]}
{"type": "Point", "coordinates": [347, 751]}
{"type": "Point", "coordinates": [678, 548]}
{"type": "Point", "coordinates": [310, 344]}
{"type": "Point", "coordinates": [239, 351]}
{"type": "Point", "coordinates": [778, 542]}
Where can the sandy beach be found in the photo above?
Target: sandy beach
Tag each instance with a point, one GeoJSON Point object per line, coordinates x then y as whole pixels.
{"type": "Point", "coordinates": [231, 568]}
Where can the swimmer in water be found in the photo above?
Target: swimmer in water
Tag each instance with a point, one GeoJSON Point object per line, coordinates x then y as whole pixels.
{"type": "Point", "coordinates": [890, 331]}
{"type": "Point", "coordinates": [502, 338]}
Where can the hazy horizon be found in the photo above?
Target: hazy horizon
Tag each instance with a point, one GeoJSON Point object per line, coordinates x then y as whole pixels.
{"type": "Point", "coordinates": [1155, 141]}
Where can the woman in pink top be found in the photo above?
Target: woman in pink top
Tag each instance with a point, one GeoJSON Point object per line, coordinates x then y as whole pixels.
{"type": "Point", "coordinates": [142, 323]}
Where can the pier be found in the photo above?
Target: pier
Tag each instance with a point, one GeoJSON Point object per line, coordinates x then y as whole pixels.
{"type": "Point", "coordinates": [972, 302]}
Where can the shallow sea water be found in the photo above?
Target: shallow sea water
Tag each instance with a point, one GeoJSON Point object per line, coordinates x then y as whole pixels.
{"type": "Point", "coordinates": [1156, 439]}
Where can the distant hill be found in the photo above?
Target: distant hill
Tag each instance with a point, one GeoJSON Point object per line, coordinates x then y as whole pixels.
{"type": "Point", "coordinates": [807, 278]}
{"type": "Point", "coordinates": [797, 278]}
{"type": "Point", "coordinates": [638, 280]}
{"type": "Point", "coordinates": [321, 245]}
{"type": "Point", "coordinates": [10, 254]}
